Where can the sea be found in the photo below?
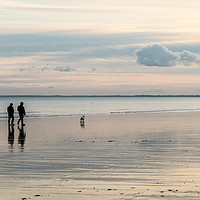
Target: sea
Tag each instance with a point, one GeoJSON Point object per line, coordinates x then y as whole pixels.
{"type": "Point", "coordinates": [118, 157]}
{"type": "Point", "coordinates": [51, 106]}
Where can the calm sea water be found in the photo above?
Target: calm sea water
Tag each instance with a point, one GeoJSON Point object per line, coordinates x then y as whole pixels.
{"type": "Point", "coordinates": [66, 106]}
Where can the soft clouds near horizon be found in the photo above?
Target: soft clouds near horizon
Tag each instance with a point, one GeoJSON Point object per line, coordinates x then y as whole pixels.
{"type": "Point", "coordinates": [99, 47]}
{"type": "Point", "coordinates": [161, 56]}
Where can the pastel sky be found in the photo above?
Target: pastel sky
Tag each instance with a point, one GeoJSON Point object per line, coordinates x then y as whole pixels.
{"type": "Point", "coordinates": [72, 47]}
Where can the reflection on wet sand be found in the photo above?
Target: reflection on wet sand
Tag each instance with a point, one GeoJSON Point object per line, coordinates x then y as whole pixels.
{"type": "Point", "coordinates": [22, 136]}
{"type": "Point", "coordinates": [11, 135]}
{"type": "Point", "coordinates": [140, 156]}
{"type": "Point", "coordinates": [82, 124]}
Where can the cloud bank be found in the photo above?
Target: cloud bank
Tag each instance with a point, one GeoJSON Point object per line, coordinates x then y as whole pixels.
{"type": "Point", "coordinates": [157, 55]}
{"type": "Point", "coordinates": [64, 69]}
{"type": "Point", "coordinates": [58, 69]}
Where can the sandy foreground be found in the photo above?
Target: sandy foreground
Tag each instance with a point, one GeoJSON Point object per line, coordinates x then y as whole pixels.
{"type": "Point", "coordinates": [113, 157]}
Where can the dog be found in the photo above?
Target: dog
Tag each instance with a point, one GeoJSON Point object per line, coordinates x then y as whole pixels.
{"type": "Point", "coordinates": [82, 119]}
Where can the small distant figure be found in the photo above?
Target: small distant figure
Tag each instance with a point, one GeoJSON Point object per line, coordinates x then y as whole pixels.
{"type": "Point", "coordinates": [82, 121]}
{"type": "Point", "coordinates": [10, 111]}
{"type": "Point", "coordinates": [22, 113]}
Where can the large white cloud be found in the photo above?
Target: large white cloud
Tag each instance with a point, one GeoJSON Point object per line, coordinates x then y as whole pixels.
{"type": "Point", "coordinates": [157, 55]}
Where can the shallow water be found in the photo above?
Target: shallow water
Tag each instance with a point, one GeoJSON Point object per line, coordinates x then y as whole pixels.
{"type": "Point", "coordinates": [151, 156]}
{"type": "Point", "coordinates": [73, 106]}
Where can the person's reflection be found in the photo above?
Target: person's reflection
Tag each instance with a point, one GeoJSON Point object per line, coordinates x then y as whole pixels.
{"type": "Point", "coordinates": [22, 136]}
{"type": "Point", "coordinates": [11, 135]}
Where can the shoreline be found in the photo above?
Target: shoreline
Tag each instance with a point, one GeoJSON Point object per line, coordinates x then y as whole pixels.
{"type": "Point", "coordinates": [186, 111]}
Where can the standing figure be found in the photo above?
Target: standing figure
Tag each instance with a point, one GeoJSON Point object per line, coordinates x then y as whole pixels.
{"type": "Point", "coordinates": [10, 111]}
{"type": "Point", "coordinates": [21, 112]}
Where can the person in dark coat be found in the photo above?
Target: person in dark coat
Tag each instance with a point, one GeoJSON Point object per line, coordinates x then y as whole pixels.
{"type": "Point", "coordinates": [10, 111]}
{"type": "Point", "coordinates": [22, 113]}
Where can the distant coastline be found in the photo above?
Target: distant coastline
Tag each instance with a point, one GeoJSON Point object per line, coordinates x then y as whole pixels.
{"type": "Point", "coordinates": [100, 95]}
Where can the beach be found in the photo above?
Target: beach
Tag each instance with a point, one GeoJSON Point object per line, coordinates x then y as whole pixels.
{"type": "Point", "coordinates": [112, 157]}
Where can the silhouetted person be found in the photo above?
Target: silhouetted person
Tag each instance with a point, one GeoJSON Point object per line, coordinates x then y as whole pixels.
{"type": "Point", "coordinates": [22, 113]}
{"type": "Point", "coordinates": [22, 136]}
{"type": "Point", "coordinates": [10, 111]}
{"type": "Point", "coordinates": [10, 135]}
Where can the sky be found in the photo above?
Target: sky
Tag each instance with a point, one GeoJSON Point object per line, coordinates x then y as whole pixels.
{"type": "Point", "coordinates": [91, 47]}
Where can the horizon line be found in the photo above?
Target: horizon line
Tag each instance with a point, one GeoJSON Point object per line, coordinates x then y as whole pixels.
{"type": "Point", "coordinates": [170, 95]}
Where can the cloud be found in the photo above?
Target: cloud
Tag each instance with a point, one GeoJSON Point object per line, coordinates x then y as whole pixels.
{"type": "Point", "coordinates": [93, 69]}
{"type": "Point", "coordinates": [59, 69]}
{"type": "Point", "coordinates": [51, 87]}
{"type": "Point", "coordinates": [43, 69]}
{"type": "Point", "coordinates": [64, 69]}
{"type": "Point", "coordinates": [157, 55]}
{"type": "Point", "coordinates": [188, 57]}
{"type": "Point", "coordinates": [23, 69]}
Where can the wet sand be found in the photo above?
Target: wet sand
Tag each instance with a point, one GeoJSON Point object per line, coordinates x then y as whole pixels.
{"type": "Point", "coordinates": [113, 157]}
